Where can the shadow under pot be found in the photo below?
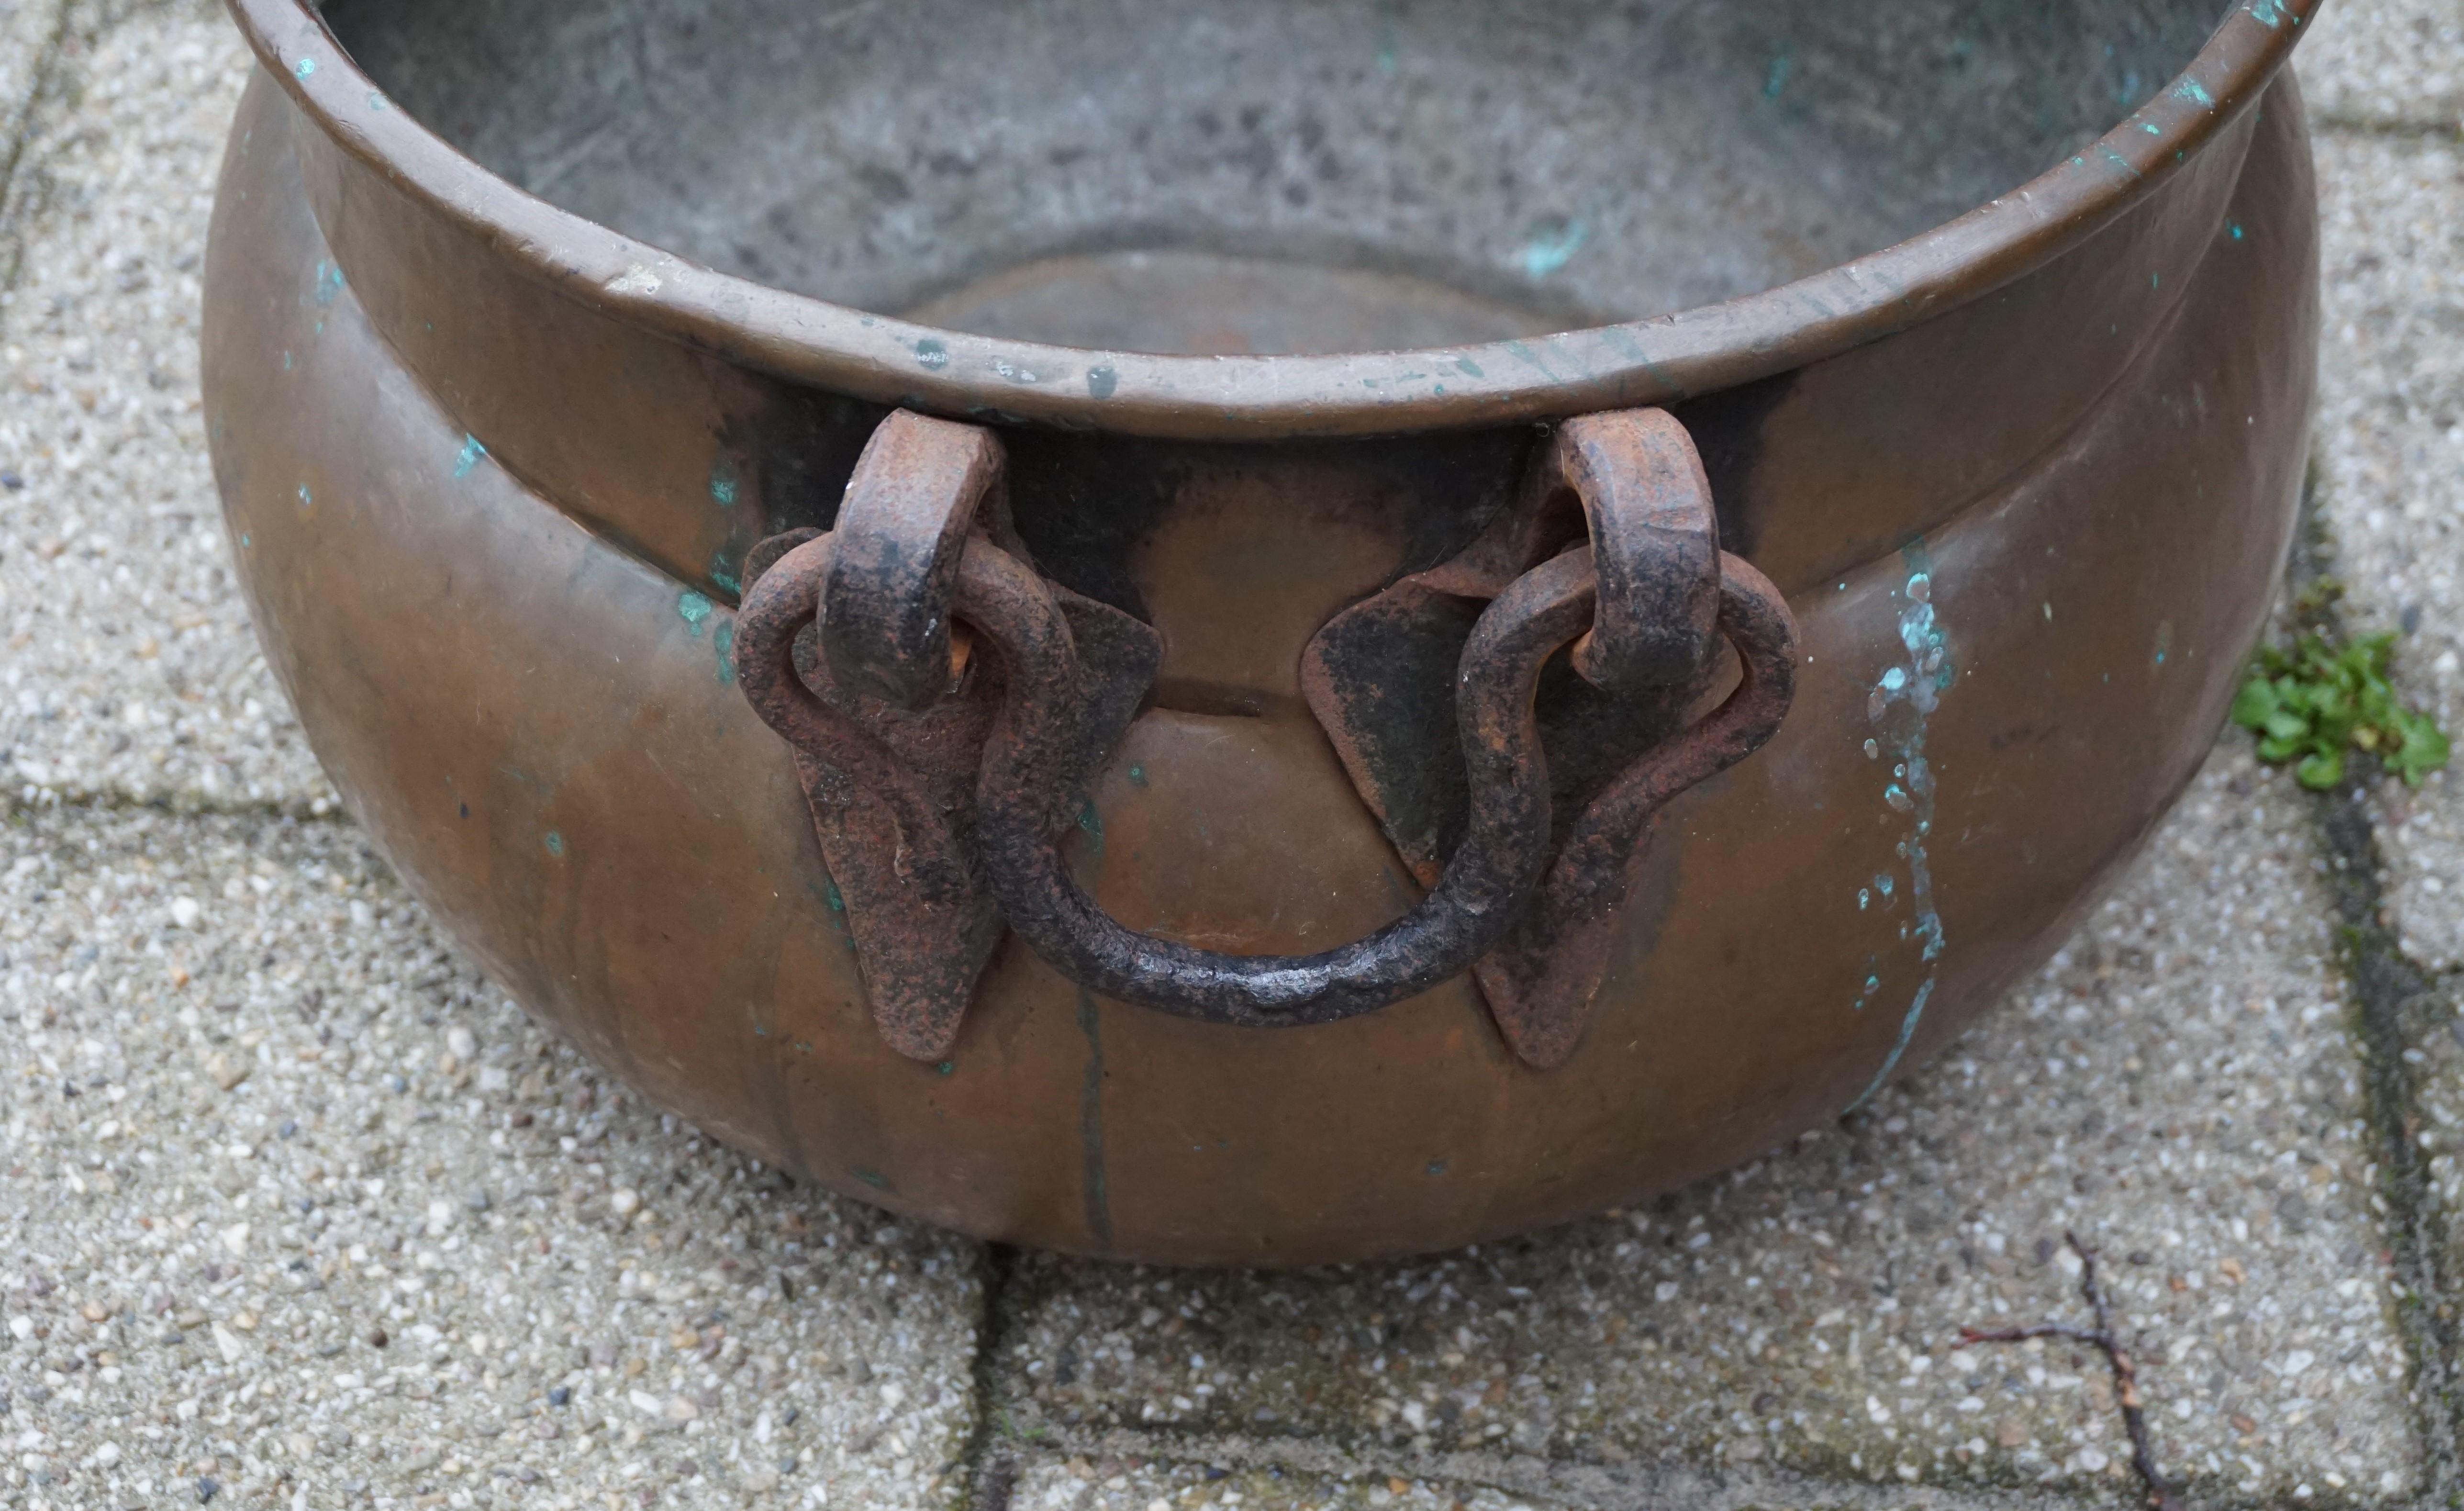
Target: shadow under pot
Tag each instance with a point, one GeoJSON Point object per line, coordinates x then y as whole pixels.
{"type": "Point", "coordinates": [1260, 634]}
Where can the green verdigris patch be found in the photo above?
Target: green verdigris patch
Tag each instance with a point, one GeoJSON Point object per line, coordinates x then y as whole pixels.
{"type": "Point", "coordinates": [2312, 704]}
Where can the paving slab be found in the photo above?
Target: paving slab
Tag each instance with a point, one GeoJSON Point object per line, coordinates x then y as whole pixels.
{"type": "Point", "coordinates": [297, 1205]}
{"type": "Point", "coordinates": [2177, 1087]}
{"type": "Point", "coordinates": [2390, 449]}
{"type": "Point", "coordinates": [2376, 64]}
{"type": "Point", "coordinates": [127, 667]}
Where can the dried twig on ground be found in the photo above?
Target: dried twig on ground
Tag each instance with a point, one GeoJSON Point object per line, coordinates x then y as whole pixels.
{"type": "Point", "coordinates": [2125, 1374]}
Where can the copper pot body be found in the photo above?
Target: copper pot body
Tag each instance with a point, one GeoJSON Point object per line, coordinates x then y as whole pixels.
{"type": "Point", "coordinates": [491, 480]}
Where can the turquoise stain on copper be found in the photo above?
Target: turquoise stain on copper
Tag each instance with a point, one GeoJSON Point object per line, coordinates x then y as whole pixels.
{"type": "Point", "coordinates": [723, 641]}
{"type": "Point", "coordinates": [722, 483]}
{"type": "Point", "coordinates": [304, 67]}
{"type": "Point", "coordinates": [692, 608]}
{"type": "Point", "coordinates": [468, 457]}
{"type": "Point", "coordinates": [1927, 674]}
{"type": "Point", "coordinates": [554, 843]}
{"type": "Point", "coordinates": [872, 1178]}
{"type": "Point", "coordinates": [1553, 245]}
{"type": "Point", "coordinates": [1101, 382]}
{"type": "Point", "coordinates": [329, 280]}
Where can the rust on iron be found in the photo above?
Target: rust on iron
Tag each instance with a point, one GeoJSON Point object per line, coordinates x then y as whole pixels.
{"type": "Point", "coordinates": [885, 788]}
{"type": "Point", "coordinates": [1655, 544]}
{"type": "Point", "coordinates": [1500, 858]}
{"type": "Point", "coordinates": [1665, 598]}
{"type": "Point", "coordinates": [844, 647]}
{"type": "Point", "coordinates": [915, 494]}
{"type": "Point", "coordinates": [884, 726]}
{"type": "Point", "coordinates": [1542, 976]}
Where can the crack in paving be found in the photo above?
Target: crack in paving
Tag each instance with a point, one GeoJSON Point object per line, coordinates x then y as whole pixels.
{"type": "Point", "coordinates": [1657, 1486]}
{"type": "Point", "coordinates": [2389, 991]}
{"type": "Point", "coordinates": [990, 1461]}
{"type": "Point", "coordinates": [17, 808]}
{"type": "Point", "coordinates": [2399, 129]}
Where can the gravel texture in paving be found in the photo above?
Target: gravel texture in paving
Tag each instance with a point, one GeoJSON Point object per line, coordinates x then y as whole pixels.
{"type": "Point", "coordinates": [2391, 476]}
{"type": "Point", "coordinates": [297, 1205]}
{"type": "Point", "coordinates": [127, 667]}
{"type": "Point", "coordinates": [2371, 64]}
{"type": "Point", "coordinates": [2177, 1087]}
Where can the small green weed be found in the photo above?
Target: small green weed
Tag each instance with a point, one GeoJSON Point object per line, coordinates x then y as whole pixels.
{"type": "Point", "coordinates": [2314, 703]}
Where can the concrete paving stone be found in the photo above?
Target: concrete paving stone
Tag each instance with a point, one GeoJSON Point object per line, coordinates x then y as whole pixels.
{"type": "Point", "coordinates": [2377, 63]}
{"type": "Point", "coordinates": [127, 666]}
{"type": "Point", "coordinates": [2177, 1086]}
{"type": "Point", "coordinates": [2390, 446]}
{"type": "Point", "coordinates": [297, 1205]}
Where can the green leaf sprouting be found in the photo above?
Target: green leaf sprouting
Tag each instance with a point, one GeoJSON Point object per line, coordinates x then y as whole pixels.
{"type": "Point", "coordinates": [2312, 704]}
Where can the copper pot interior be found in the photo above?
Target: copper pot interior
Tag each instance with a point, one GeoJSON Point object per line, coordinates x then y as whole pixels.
{"type": "Point", "coordinates": [1302, 176]}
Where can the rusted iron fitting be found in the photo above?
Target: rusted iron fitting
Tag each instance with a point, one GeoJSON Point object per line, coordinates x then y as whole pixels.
{"type": "Point", "coordinates": [969, 774]}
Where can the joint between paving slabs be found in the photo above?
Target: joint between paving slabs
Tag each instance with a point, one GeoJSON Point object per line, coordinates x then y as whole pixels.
{"type": "Point", "coordinates": [16, 809]}
{"type": "Point", "coordinates": [2399, 128]}
{"type": "Point", "coordinates": [988, 1466]}
{"type": "Point", "coordinates": [2392, 997]}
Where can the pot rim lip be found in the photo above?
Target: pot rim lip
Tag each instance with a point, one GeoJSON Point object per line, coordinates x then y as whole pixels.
{"type": "Point", "coordinates": [1659, 360]}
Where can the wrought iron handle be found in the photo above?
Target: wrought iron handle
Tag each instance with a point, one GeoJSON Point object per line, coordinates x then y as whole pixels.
{"type": "Point", "coordinates": [1452, 925]}
{"type": "Point", "coordinates": [1480, 893]}
{"type": "Point", "coordinates": [938, 782]}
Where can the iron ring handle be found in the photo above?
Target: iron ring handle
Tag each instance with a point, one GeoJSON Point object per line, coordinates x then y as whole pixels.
{"type": "Point", "coordinates": [940, 792]}
{"type": "Point", "coordinates": [1484, 887]}
{"type": "Point", "coordinates": [1499, 863]}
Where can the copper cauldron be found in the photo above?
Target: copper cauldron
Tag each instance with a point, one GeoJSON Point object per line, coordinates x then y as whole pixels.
{"type": "Point", "coordinates": [1266, 633]}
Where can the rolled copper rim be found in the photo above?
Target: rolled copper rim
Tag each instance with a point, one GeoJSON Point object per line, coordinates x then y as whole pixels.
{"type": "Point", "coordinates": [1656, 361]}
